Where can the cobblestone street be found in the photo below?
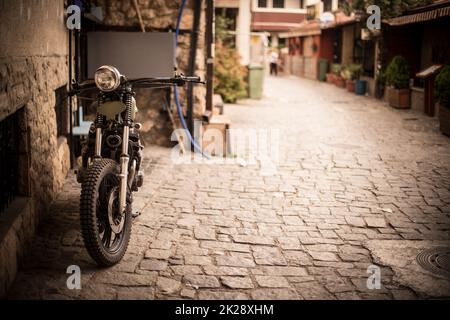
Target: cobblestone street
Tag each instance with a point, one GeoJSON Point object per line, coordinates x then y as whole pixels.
{"type": "Point", "coordinates": [355, 178]}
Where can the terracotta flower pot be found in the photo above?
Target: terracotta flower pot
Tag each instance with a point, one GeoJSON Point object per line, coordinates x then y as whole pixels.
{"type": "Point", "coordinates": [339, 82]}
{"type": "Point", "coordinates": [330, 77]}
{"type": "Point", "coordinates": [444, 119]}
{"type": "Point", "coordinates": [399, 98]}
{"type": "Point", "coordinates": [350, 85]}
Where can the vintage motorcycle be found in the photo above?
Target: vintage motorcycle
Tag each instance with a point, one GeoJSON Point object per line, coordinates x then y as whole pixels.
{"type": "Point", "coordinates": [111, 162]}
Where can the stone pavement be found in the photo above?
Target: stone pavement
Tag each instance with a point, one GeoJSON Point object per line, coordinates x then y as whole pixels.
{"type": "Point", "coordinates": [351, 171]}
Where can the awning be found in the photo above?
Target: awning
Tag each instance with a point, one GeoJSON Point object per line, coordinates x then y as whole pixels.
{"type": "Point", "coordinates": [300, 33]}
{"type": "Point", "coordinates": [314, 27]}
{"type": "Point", "coordinates": [341, 20]}
{"type": "Point", "coordinates": [420, 17]}
{"type": "Point", "coordinates": [308, 28]}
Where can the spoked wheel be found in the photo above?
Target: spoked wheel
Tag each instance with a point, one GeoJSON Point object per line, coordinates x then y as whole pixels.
{"type": "Point", "coordinates": [105, 232]}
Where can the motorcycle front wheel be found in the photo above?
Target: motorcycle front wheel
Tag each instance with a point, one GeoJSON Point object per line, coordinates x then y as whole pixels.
{"type": "Point", "coordinates": [104, 233]}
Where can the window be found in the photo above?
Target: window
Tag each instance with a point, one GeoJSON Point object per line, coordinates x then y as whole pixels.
{"type": "Point", "coordinates": [301, 4]}
{"type": "Point", "coordinates": [364, 54]}
{"type": "Point", "coordinates": [327, 5]}
{"type": "Point", "coordinates": [10, 140]}
{"type": "Point", "coordinates": [262, 3]}
{"type": "Point", "coordinates": [311, 12]}
{"type": "Point", "coordinates": [278, 3]}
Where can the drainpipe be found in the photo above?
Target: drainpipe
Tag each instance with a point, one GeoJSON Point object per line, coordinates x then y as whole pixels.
{"type": "Point", "coordinates": [192, 58]}
{"type": "Point", "coordinates": [209, 53]}
{"type": "Point", "coordinates": [71, 146]}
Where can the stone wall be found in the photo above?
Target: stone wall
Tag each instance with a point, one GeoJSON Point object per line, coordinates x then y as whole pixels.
{"type": "Point", "coordinates": [161, 15]}
{"type": "Point", "coordinates": [33, 64]}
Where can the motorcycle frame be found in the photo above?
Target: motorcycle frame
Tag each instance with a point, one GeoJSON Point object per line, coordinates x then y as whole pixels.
{"type": "Point", "coordinates": [127, 94]}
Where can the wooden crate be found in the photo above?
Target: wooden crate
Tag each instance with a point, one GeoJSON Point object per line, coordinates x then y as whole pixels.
{"type": "Point", "coordinates": [220, 124]}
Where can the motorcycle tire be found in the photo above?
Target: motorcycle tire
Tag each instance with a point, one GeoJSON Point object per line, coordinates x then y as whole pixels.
{"type": "Point", "coordinates": [94, 222]}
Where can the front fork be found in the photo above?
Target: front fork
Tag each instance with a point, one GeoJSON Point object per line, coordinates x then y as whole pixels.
{"type": "Point", "coordinates": [124, 157]}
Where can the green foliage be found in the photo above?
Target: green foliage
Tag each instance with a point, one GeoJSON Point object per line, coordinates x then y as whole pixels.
{"type": "Point", "coordinates": [336, 69]}
{"type": "Point", "coordinates": [358, 5]}
{"type": "Point", "coordinates": [351, 72]}
{"type": "Point", "coordinates": [442, 89]}
{"type": "Point", "coordinates": [397, 73]}
{"type": "Point", "coordinates": [389, 8]}
{"type": "Point", "coordinates": [228, 74]}
{"type": "Point", "coordinates": [223, 26]}
{"type": "Point", "coordinates": [346, 7]}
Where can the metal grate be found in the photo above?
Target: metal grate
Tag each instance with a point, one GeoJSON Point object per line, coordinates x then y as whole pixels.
{"type": "Point", "coordinates": [435, 260]}
{"type": "Point", "coordinates": [9, 159]}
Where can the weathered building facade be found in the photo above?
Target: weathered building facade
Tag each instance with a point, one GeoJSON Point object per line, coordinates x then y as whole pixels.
{"type": "Point", "coordinates": [429, 46]}
{"type": "Point", "coordinates": [35, 113]}
{"type": "Point", "coordinates": [252, 17]}
{"type": "Point", "coordinates": [34, 159]}
{"type": "Point", "coordinates": [160, 16]}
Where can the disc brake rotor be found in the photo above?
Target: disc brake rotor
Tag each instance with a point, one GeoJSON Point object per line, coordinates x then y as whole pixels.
{"type": "Point", "coordinates": [115, 219]}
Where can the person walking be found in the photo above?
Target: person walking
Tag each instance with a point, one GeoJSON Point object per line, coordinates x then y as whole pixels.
{"type": "Point", "coordinates": [273, 63]}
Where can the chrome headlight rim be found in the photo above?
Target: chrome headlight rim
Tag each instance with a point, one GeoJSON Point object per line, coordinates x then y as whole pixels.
{"type": "Point", "coordinates": [116, 74]}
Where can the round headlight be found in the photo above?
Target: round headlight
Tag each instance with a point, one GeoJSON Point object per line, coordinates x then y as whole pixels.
{"type": "Point", "coordinates": [107, 78]}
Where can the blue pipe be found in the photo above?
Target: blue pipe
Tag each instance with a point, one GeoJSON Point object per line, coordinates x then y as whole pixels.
{"type": "Point", "coordinates": [175, 88]}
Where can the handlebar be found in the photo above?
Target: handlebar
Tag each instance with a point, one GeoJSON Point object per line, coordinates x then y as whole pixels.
{"type": "Point", "coordinates": [178, 80]}
{"type": "Point", "coordinates": [194, 79]}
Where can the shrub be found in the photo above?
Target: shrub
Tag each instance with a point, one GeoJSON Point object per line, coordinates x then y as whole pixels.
{"type": "Point", "coordinates": [351, 72]}
{"type": "Point", "coordinates": [222, 31]}
{"type": "Point", "coordinates": [397, 73]}
{"type": "Point", "coordinates": [229, 75]}
{"type": "Point", "coordinates": [358, 5]}
{"type": "Point", "coordinates": [389, 8]}
{"type": "Point", "coordinates": [336, 69]}
{"type": "Point", "coordinates": [442, 88]}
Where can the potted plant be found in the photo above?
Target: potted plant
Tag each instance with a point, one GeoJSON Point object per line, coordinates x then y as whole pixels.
{"type": "Point", "coordinates": [397, 77]}
{"type": "Point", "coordinates": [442, 89]}
{"type": "Point", "coordinates": [351, 74]}
{"type": "Point", "coordinates": [335, 69]}
{"type": "Point", "coordinates": [349, 82]}
{"type": "Point", "coordinates": [330, 77]}
{"type": "Point", "coordinates": [338, 79]}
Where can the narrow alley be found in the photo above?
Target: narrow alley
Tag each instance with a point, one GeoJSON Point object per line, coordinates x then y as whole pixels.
{"type": "Point", "coordinates": [356, 183]}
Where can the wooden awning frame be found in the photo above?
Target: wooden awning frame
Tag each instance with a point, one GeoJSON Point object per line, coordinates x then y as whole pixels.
{"type": "Point", "coordinates": [420, 17]}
